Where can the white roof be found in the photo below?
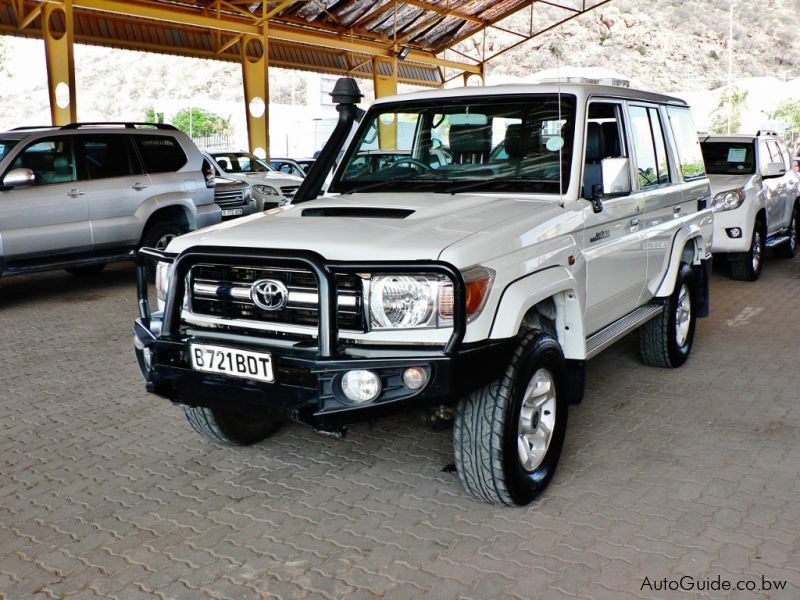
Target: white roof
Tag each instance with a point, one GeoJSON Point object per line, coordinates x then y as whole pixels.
{"type": "Point", "coordinates": [581, 90]}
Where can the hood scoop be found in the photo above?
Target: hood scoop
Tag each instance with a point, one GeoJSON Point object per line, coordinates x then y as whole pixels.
{"type": "Point", "coordinates": [357, 212]}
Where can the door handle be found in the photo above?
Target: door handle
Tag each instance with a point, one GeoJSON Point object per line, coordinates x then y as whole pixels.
{"type": "Point", "coordinates": [676, 212]}
{"type": "Point", "coordinates": [139, 186]}
{"type": "Point", "coordinates": [635, 223]}
{"type": "Point", "coordinates": [74, 193]}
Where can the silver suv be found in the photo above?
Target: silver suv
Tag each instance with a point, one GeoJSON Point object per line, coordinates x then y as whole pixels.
{"type": "Point", "coordinates": [83, 195]}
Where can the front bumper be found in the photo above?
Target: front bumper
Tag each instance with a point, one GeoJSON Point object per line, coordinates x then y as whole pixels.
{"type": "Point", "coordinates": [307, 373]}
{"type": "Point", "coordinates": [247, 209]}
{"type": "Point", "coordinates": [742, 218]}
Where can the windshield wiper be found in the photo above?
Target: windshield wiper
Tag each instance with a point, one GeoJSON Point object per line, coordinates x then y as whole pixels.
{"type": "Point", "coordinates": [382, 182]}
{"type": "Point", "coordinates": [508, 178]}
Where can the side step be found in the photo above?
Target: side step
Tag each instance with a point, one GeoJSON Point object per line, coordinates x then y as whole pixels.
{"type": "Point", "coordinates": [69, 264]}
{"type": "Point", "coordinates": [619, 329]}
{"type": "Point", "coordinates": [776, 241]}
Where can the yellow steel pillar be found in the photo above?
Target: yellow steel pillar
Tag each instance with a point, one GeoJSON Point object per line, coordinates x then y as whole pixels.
{"type": "Point", "coordinates": [58, 37]}
{"type": "Point", "coordinates": [255, 74]}
{"type": "Point", "coordinates": [384, 81]}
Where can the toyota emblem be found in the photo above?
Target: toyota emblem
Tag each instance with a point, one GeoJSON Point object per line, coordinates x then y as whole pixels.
{"type": "Point", "coordinates": [269, 294]}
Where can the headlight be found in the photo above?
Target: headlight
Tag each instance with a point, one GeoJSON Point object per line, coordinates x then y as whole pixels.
{"type": "Point", "coordinates": [729, 200]}
{"type": "Point", "coordinates": [163, 272]}
{"type": "Point", "coordinates": [407, 301]}
{"type": "Point", "coordinates": [267, 190]}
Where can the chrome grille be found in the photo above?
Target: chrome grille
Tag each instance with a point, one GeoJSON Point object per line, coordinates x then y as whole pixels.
{"type": "Point", "coordinates": [224, 291]}
{"type": "Point", "coordinates": [230, 197]}
{"type": "Point", "coordinates": [288, 191]}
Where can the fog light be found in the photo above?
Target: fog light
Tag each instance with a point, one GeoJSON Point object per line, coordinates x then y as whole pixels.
{"type": "Point", "coordinates": [734, 232]}
{"type": "Point", "coordinates": [361, 386]}
{"type": "Point", "coordinates": [415, 378]}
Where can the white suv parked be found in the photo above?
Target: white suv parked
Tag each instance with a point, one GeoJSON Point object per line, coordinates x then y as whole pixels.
{"type": "Point", "coordinates": [756, 201]}
{"type": "Point", "coordinates": [482, 282]}
{"type": "Point", "coordinates": [271, 188]}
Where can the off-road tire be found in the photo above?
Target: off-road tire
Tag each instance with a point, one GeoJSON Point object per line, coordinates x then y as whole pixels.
{"type": "Point", "coordinates": [86, 271]}
{"type": "Point", "coordinates": [231, 429]}
{"type": "Point", "coordinates": [154, 236]}
{"type": "Point", "coordinates": [741, 264]}
{"type": "Point", "coordinates": [658, 340]}
{"type": "Point", "coordinates": [486, 426]}
{"type": "Point", "coordinates": [789, 248]}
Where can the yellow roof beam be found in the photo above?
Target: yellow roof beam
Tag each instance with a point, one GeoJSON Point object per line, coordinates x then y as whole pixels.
{"type": "Point", "coordinates": [276, 32]}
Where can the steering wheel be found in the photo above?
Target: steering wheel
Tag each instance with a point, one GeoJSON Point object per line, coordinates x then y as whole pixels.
{"type": "Point", "coordinates": [413, 162]}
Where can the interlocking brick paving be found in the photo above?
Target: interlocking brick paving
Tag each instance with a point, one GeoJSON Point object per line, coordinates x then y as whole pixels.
{"type": "Point", "coordinates": [106, 492]}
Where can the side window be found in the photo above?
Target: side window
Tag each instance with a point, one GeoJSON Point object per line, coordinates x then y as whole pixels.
{"type": "Point", "coordinates": [662, 160]}
{"type": "Point", "coordinates": [50, 160]}
{"type": "Point", "coordinates": [642, 135]}
{"type": "Point", "coordinates": [684, 132]}
{"type": "Point", "coordinates": [103, 156]}
{"type": "Point", "coordinates": [775, 151]}
{"type": "Point", "coordinates": [606, 150]}
{"type": "Point", "coordinates": [160, 154]}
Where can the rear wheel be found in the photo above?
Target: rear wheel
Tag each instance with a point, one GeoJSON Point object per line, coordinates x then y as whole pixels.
{"type": "Point", "coordinates": [229, 428]}
{"type": "Point", "coordinates": [508, 435]}
{"type": "Point", "coordinates": [789, 248]}
{"type": "Point", "coordinates": [158, 235]}
{"type": "Point", "coordinates": [666, 341]}
{"type": "Point", "coordinates": [747, 265]}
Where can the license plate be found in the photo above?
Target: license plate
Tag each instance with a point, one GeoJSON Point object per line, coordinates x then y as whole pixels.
{"type": "Point", "coordinates": [232, 362]}
{"type": "Point", "coordinates": [231, 212]}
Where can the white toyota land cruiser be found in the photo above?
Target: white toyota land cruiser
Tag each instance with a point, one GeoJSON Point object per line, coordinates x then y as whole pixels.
{"type": "Point", "coordinates": [756, 199]}
{"type": "Point", "coordinates": [475, 247]}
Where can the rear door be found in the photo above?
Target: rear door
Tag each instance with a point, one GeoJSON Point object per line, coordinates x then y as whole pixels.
{"type": "Point", "coordinates": [49, 219]}
{"type": "Point", "coordinates": [780, 190]}
{"type": "Point", "coordinates": [115, 187]}
{"type": "Point", "coordinates": [664, 203]}
{"type": "Point", "coordinates": [162, 158]}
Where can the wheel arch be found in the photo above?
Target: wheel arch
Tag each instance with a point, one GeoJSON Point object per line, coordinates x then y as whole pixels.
{"type": "Point", "coordinates": [546, 300]}
{"type": "Point", "coordinates": [688, 246]}
{"type": "Point", "coordinates": [174, 205]}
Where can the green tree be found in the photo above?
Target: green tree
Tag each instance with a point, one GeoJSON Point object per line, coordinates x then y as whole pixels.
{"type": "Point", "coordinates": [198, 122]}
{"type": "Point", "coordinates": [789, 112]}
{"type": "Point", "coordinates": [151, 116]}
{"type": "Point", "coordinates": [719, 123]}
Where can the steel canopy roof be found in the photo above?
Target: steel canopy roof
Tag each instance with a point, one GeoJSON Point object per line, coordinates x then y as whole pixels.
{"type": "Point", "coordinates": [331, 36]}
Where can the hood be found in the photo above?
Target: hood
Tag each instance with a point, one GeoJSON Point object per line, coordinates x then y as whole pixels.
{"type": "Point", "coordinates": [725, 183]}
{"type": "Point", "coordinates": [367, 226]}
{"type": "Point", "coordinates": [274, 177]}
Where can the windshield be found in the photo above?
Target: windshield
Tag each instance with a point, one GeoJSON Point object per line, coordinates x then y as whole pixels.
{"type": "Point", "coordinates": [240, 162]}
{"type": "Point", "coordinates": [729, 158]}
{"type": "Point", "coordinates": [485, 144]}
{"type": "Point", "coordinates": [6, 146]}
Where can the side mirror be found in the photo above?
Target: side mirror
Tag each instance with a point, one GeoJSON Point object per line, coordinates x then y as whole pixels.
{"type": "Point", "coordinates": [597, 197]}
{"type": "Point", "coordinates": [18, 178]}
{"type": "Point", "coordinates": [774, 170]}
{"type": "Point", "coordinates": [616, 176]}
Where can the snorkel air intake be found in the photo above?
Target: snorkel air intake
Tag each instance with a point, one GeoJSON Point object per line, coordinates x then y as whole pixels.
{"type": "Point", "coordinates": [346, 95]}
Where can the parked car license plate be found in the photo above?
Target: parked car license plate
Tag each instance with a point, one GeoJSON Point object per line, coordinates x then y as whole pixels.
{"type": "Point", "coordinates": [232, 362]}
{"type": "Point", "coordinates": [231, 212]}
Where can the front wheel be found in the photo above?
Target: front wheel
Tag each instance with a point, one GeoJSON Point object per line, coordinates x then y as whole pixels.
{"type": "Point", "coordinates": [229, 428]}
{"type": "Point", "coordinates": [508, 435]}
{"type": "Point", "coordinates": [747, 265]}
{"type": "Point", "coordinates": [158, 235]}
{"type": "Point", "coordinates": [666, 341]}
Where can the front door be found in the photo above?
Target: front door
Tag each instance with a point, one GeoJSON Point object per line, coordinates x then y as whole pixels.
{"type": "Point", "coordinates": [50, 218]}
{"type": "Point", "coordinates": [615, 253]}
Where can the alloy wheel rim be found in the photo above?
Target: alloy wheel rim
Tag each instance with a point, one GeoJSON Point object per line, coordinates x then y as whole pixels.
{"type": "Point", "coordinates": [756, 255]}
{"type": "Point", "coordinates": [683, 316]}
{"type": "Point", "coordinates": [537, 420]}
{"type": "Point", "coordinates": [164, 241]}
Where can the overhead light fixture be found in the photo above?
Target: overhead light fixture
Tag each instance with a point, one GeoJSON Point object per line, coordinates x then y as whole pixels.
{"type": "Point", "coordinates": [404, 52]}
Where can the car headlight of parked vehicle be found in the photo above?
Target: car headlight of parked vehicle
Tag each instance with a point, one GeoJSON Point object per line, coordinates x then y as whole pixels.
{"type": "Point", "coordinates": [730, 200]}
{"type": "Point", "coordinates": [423, 300]}
{"type": "Point", "coordinates": [267, 190]}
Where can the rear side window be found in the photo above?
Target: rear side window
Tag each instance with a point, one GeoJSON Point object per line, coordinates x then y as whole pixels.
{"type": "Point", "coordinates": [646, 162]}
{"type": "Point", "coordinates": [688, 145]}
{"type": "Point", "coordinates": [103, 156]}
{"type": "Point", "coordinates": [51, 160]}
{"type": "Point", "coordinates": [160, 154]}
